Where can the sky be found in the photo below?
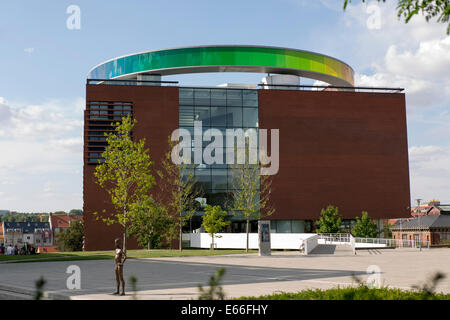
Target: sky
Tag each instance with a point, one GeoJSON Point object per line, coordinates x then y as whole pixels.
{"type": "Point", "coordinates": [44, 65]}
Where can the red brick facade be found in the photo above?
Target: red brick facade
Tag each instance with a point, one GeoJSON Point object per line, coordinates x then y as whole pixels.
{"type": "Point", "coordinates": [156, 111]}
{"type": "Point", "coordinates": [347, 149]}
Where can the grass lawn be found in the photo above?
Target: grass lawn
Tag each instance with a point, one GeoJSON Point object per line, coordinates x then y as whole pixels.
{"type": "Point", "coordinates": [353, 293]}
{"type": "Point", "coordinates": [104, 255]}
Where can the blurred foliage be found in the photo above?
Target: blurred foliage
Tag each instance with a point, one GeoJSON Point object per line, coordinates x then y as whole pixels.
{"type": "Point", "coordinates": [215, 291]}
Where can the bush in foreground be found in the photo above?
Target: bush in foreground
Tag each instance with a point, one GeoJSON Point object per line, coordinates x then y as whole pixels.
{"type": "Point", "coordinates": [360, 292]}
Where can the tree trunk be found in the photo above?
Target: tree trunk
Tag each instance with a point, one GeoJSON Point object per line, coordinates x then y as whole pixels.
{"type": "Point", "coordinates": [124, 247]}
{"type": "Point", "coordinates": [246, 246]}
{"type": "Point", "coordinates": [212, 244]}
{"type": "Point", "coordinates": [149, 244]}
{"type": "Point", "coordinates": [181, 235]}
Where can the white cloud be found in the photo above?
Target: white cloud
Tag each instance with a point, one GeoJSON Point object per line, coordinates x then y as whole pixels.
{"type": "Point", "coordinates": [430, 172]}
{"type": "Point", "coordinates": [414, 56]}
{"type": "Point", "coordinates": [51, 119]}
{"type": "Point", "coordinates": [41, 148]}
{"type": "Point", "coordinates": [431, 60]}
{"type": "Point", "coordinates": [29, 50]}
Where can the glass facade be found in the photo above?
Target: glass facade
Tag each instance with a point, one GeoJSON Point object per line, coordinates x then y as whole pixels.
{"type": "Point", "coordinates": [289, 226]}
{"type": "Point", "coordinates": [220, 109]}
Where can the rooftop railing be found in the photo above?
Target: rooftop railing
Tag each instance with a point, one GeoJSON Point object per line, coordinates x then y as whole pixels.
{"type": "Point", "coordinates": [330, 88]}
{"type": "Point", "coordinates": [132, 82]}
{"type": "Point", "coordinates": [261, 86]}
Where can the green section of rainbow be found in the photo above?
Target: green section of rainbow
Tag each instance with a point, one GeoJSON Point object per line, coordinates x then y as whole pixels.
{"type": "Point", "coordinates": [227, 59]}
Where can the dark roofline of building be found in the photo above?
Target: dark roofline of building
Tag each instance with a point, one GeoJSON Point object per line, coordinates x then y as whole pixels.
{"type": "Point", "coordinates": [426, 222]}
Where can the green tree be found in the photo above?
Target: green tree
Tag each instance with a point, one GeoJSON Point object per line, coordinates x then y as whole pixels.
{"type": "Point", "coordinates": [329, 221]}
{"type": "Point", "coordinates": [71, 239]}
{"type": "Point", "coordinates": [214, 221]}
{"type": "Point", "coordinates": [407, 9]}
{"type": "Point", "coordinates": [250, 198]}
{"type": "Point", "coordinates": [124, 174]}
{"type": "Point", "coordinates": [177, 192]}
{"type": "Point", "coordinates": [365, 227]}
{"type": "Point", "coordinates": [20, 217]}
{"type": "Point", "coordinates": [76, 212]}
{"type": "Point", "coordinates": [150, 223]}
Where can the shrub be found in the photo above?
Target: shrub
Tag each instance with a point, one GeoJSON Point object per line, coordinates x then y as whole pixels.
{"type": "Point", "coordinates": [71, 239]}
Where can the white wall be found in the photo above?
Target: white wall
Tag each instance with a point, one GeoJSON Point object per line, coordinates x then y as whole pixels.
{"type": "Point", "coordinates": [370, 245]}
{"type": "Point", "coordinates": [311, 243]}
{"type": "Point", "coordinates": [238, 240]}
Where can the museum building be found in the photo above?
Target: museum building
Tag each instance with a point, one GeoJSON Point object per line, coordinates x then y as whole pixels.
{"type": "Point", "coordinates": [338, 144]}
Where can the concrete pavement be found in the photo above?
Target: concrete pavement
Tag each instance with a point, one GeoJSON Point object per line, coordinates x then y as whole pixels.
{"type": "Point", "coordinates": [246, 275]}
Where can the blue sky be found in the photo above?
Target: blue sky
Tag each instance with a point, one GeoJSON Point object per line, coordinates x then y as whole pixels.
{"type": "Point", "coordinates": [43, 68]}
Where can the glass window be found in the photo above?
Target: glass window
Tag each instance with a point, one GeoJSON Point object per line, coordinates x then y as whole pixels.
{"type": "Point", "coordinates": [233, 178]}
{"type": "Point", "coordinates": [217, 197]}
{"type": "Point", "coordinates": [97, 138]}
{"type": "Point", "coordinates": [298, 226]}
{"type": "Point", "coordinates": [186, 116]}
{"type": "Point", "coordinates": [202, 97]}
{"type": "Point", "coordinates": [219, 179]}
{"type": "Point", "coordinates": [283, 226]}
{"type": "Point", "coordinates": [95, 116]}
{"type": "Point", "coordinates": [219, 97]}
{"type": "Point", "coordinates": [94, 155]}
{"type": "Point", "coordinates": [250, 118]}
{"type": "Point", "coordinates": [273, 226]}
{"type": "Point", "coordinates": [202, 114]}
{"type": "Point", "coordinates": [250, 98]}
{"type": "Point", "coordinates": [186, 96]}
{"type": "Point", "coordinates": [234, 117]}
{"type": "Point", "coordinates": [218, 116]}
{"type": "Point", "coordinates": [234, 98]}
{"type": "Point", "coordinates": [118, 115]}
{"type": "Point", "coordinates": [203, 177]}
{"type": "Point", "coordinates": [96, 133]}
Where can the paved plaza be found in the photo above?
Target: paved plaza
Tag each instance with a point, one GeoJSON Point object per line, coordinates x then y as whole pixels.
{"type": "Point", "coordinates": [246, 275]}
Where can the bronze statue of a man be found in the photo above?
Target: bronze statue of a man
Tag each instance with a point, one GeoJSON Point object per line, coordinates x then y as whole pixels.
{"type": "Point", "coordinates": [119, 260]}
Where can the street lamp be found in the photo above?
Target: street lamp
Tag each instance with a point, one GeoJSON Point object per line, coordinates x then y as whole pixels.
{"type": "Point", "coordinates": [418, 211]}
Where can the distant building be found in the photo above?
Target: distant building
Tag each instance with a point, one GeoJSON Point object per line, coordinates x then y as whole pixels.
{"type": "Point", "coordinates": [2, 240]}
{"type": "Point", "coordinates": [2, 212]}
{"type": "Point", "coordinates": [60, 222]}
{"type": "Point", "coordinates": [434, 228]}
{"type": "Point", "coordinates": [440, 209]}
{"type": "Point", "coordinates": [34, 233]}
{"type": "Point", "coordinates": [430, 208]}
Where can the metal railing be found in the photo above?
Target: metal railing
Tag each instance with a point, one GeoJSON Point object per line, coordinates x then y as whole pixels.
{"type": "Point", "coordinates": [130, 82]}
{"type": "Point", "coordinates": [331, 88]}
{"type": "Point", "coordinates": [335, 237]}
{"type": "Point", "coordinates": [358, 242]}
{"type": "Point", "coordinates": [392, 243]}
{"type": "Point", "coordinates": [136, 82]}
